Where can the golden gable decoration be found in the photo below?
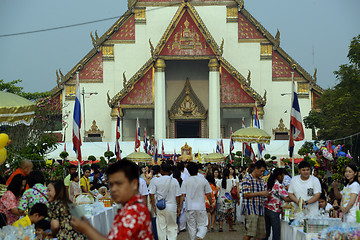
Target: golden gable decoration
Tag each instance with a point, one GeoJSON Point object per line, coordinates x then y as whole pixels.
{"type": "Point", "coordinates": [94, 130]}
{"type": "Point", "coordinates": [187, 105]}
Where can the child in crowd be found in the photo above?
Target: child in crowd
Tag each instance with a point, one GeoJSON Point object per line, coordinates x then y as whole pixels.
{"type": "Point", "coordinates": [324, 206]}
{"type": "Point", "coordinates": [38, 212]}
{"type": "Point", "coordinates": [74, 186]}
{"type": "Point", "coordinates": [42, 229]}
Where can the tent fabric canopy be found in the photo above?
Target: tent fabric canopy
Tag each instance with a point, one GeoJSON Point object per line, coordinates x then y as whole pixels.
{"type": "Point", "coordinates": [214, 157]}
{"type": "Point", "coordinates": [251, 135]}
{"type": "Point", "coordinates": [139, 157]}
{"type": "Point", "coordinates": [15, 110]}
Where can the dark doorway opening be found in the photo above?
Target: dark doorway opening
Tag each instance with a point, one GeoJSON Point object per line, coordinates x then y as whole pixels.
{"type": "Point", "coordinates": [187, 129]}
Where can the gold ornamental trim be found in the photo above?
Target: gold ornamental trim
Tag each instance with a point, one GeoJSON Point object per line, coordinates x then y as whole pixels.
{"type": "Point", "coordinates": [187, 105]}
{"type": "Point", "coordinates": [213, 65]}
{"type": "Point", "coordinates": [213, 157]}
{"type": "Point", "coordinates": [139, 157]}
{"type": "Point", "coordinates": [160, 65]}
{"type": "Point", "coordinates": [281, 128]}
{"type": "Point", "coordinates": [186, 6]}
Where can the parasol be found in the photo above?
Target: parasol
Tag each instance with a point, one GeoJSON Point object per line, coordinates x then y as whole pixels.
{"type": "Point", "coordinates": [139, 157]}
{"type": "Point", "coordinates": [214, 157]}
{"type": "Point", "coordinates": [251, 135]}
{"type": "Point", "coordinates": [15, 110]}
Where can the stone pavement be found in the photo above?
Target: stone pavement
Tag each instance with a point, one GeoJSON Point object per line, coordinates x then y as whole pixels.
{"type": "Point", "coordinates": [226, 235]}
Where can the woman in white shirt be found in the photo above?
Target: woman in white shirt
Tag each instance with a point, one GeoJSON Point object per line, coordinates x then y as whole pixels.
{"type": "Point", "coordinates": [217, 176]}
{"type": "Point", "coordinates": [350, 194]}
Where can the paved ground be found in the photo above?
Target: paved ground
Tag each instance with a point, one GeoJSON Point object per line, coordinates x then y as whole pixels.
{"type": "Point", "coordinates": [226, 235]}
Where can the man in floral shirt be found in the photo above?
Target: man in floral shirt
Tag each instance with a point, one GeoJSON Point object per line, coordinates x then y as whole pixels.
{"type": "Point", "coordinates": [133, 220]}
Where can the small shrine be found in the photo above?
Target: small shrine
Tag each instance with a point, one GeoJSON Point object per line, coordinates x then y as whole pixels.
{"type": "Point", "coordinates": [186, 153]}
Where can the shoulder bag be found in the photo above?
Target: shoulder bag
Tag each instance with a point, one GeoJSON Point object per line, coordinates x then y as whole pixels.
{"type": "Point", "coordinates": [161, 204]}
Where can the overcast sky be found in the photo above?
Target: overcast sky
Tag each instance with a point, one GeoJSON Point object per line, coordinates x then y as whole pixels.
{"type": "Point", "coordinates": [316, 33]}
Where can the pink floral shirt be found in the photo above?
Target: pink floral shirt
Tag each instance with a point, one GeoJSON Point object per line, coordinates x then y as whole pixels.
{"type": "Point", "coordinates": [274, 202]}
{"type": "Point", "coordinates": [8, 202]}
{"type": "Point", "coordinates": [132, 222]}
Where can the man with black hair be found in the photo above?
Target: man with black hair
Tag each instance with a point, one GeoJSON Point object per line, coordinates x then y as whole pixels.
{"type": "Point", "coordinates": [306, 188]}
{"type": "Point", "coordinates": [168, 188]}
{"type": "Point", "coordinates": [133, 220]}
{"type": "Point", "coordinates": [67, 182]}
{"type": "Point", "coordinates": [254, 192]}
{"type": "Point", "coordinates": [38, 212]}
{"type": "Point", "coordinates": [194, 189]}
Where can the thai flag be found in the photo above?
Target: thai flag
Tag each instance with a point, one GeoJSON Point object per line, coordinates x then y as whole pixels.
{"type": "Point", "coordinates": [162, 150]}
{"type": "Point", "coordinates": [77, 121]}
{"type": "Point", "coordinates": [243, 123]}
{"type": "Point", "coordinates": [155, 151]}
{"type": "Point", "coordinates": [174, 156]}
{"type": "Point", "coordinates": [218, 147]}
{"type": "Point", "coordinates": [117, 145]}
{"type": "Point", "coordinates": [257, 124]}
{"type": "Point", "coordinates": [248, 151]}
{"type": "Point", "coordinates": [145, 142]}
{"type": "Point", "coordinates": [296, 128]}
{"type": "Point", "coordinates": [231, 147]}
{"type": "Point", "coordinates": [221, 147]}
{"type": "Point", "coordinates": [137, 135]}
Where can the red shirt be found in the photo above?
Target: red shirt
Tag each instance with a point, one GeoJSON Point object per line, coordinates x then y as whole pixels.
{"type": "Point", "coordinates": [133, 222]}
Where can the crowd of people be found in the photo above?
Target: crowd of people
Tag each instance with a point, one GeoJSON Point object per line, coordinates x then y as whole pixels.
{"type": "Point", "coordinates": [159, 201]}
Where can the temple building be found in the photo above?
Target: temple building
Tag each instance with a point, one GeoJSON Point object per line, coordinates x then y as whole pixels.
{"type": "Point", "coordinates": [185, 69]}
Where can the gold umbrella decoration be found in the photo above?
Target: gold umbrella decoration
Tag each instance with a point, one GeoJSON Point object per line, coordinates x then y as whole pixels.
{"type": "Point", "coordinates": [15, 110]}
{"type": "Point", "coordinates": [139, 157]}
{"type": "Point", "coordinates": [251, 135]}
{"type": "Point", "coordinates": [214, 157]}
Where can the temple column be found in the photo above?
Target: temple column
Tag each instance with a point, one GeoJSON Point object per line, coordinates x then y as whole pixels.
{"type": "Point", "coordinates": [214, 99]}
{"type": "Point", "coordinates": [160, 100]}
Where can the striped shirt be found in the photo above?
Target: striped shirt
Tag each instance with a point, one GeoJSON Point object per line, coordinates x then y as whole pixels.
{"type": "Point", "coordinates": [253, 205]}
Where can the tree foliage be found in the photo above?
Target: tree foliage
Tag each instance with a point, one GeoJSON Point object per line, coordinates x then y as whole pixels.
{"type": "Point", "coordinates": [12, 87]}
{"type": "Point", "coordinates": [339, 106]}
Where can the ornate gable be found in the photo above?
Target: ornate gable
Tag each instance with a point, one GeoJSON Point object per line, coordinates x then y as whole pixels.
{"type": "Point", "coordinates": [187, 36]}
{"type": "Point", "coordinates": [142, 80]}
{"type": "Point", "coordinates": [142, 92]}
{"type": "Point", "coordinates": [247, 31]}
{"type": "Point", "coordinates": [281, 69]}
{"type": "Point", "coordinates": [187, 105]}
{"type": "Point", "coordinates": [126, 32]}
{"type": "Point", "coordinates": [232, 91]}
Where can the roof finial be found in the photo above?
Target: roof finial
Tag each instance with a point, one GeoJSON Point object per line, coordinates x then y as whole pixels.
{"type": "Point", "coordinates": [222, 47]}
{"type": "Point", "coordinates": [249, 78]}
{"type": "Point", "coordinates": [124, 80]}
{"type": "Point", "coordinates": [314, 76]}
{"type": "Point", "coordinates": [151, 48]}
{"type": "Point", "coordinates": [277, 39]}
{"type": "Point", "coordinates": [95, 41]}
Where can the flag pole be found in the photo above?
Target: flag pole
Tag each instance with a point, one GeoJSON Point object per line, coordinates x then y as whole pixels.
{"type": "Point", "coordinates": [292, 96]}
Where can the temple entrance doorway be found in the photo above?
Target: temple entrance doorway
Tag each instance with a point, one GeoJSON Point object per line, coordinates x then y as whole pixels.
{"type": "Point", "coordinates": [188, 129]}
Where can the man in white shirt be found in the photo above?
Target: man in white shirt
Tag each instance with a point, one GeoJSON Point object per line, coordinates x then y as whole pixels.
{"type": "Point", "coordinates": [143, 190]}
{"type": "Point", "coordinates": [306, 187]}
{"type": "Point", "coordinates": [194, 189]}
{"type": "Point", "coordinates": [168, 188]}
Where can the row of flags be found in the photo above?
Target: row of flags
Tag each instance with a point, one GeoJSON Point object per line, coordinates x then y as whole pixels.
{"type": "Point", "coordinates": [296, 131]}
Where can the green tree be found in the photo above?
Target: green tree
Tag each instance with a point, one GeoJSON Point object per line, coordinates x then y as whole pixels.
{"type": "Point", "coordinates": [339, 107]}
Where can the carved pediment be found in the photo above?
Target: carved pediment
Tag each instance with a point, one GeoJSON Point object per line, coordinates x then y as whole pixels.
{"type": "Point", "coordinates": [187, 105]}
{"type": "Point", "coordinates": [281, 128]}
{"type": "Point", "coordinates": [94, 130]}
